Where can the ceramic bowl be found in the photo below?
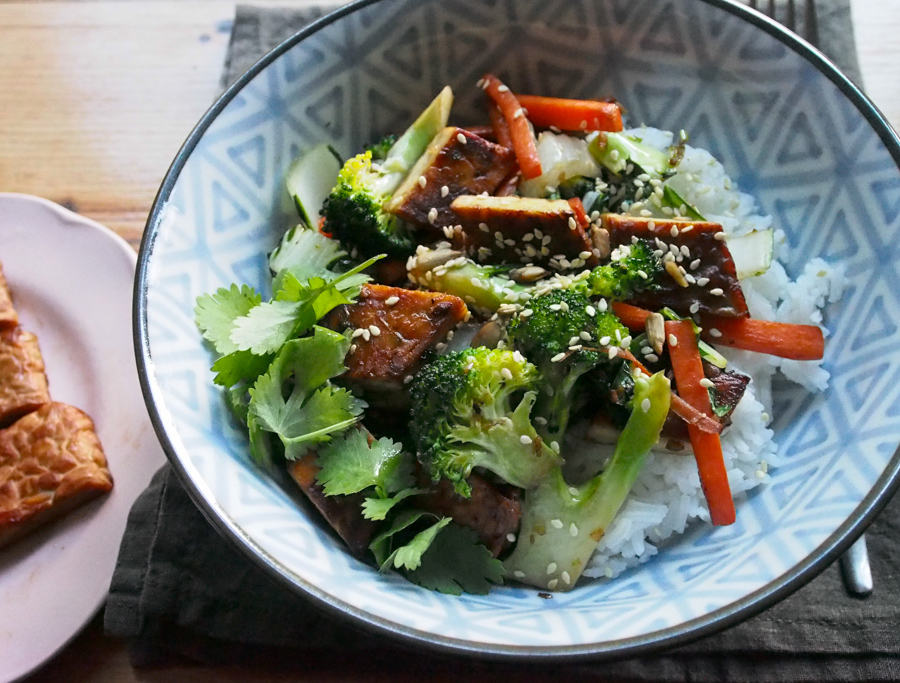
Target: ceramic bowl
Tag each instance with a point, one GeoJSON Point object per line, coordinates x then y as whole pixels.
{"type": "Point", "coordinates": [789, 128]}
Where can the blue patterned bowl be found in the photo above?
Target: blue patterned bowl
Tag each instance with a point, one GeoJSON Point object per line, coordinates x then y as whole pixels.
{"type": "Point", "coordinates": [788, 127]}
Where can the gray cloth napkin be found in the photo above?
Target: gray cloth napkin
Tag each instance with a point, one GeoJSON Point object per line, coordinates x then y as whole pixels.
{"type": "Point", "coordinates": [181, 591]}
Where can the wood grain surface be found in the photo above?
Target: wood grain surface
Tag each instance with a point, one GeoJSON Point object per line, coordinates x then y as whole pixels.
{"type": "Point", "coordinates": [95, 100]}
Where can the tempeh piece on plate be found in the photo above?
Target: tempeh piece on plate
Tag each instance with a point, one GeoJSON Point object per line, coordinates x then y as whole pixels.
{"type": "Point", "coordinates": [23, 384]}
{"type": "Point", "coordinates": [9, 318]}
{"type": "Point", "coordinates": [51, 462]}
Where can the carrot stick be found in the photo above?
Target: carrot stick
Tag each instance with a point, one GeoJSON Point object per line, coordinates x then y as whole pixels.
{"type": "Point", "coordinates": [632, 317]}
{"type": "Point", "coordinates": [519, 129]}
{"type": "Point", "coordinates": [796, 342]}
{"type": "Point", "coordinates": [498, 123]}
{"type": "Point", "coordinates": [688, 369]}
{"type": "Point", "coordinates": [580, 214]}
{"type": "Point", "coordinates": [572, 115]}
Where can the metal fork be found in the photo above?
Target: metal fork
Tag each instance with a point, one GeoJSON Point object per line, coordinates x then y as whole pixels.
{"type": "Point", "coordinates": [804, 23]}
{"type": "Point", "coordinates": [855, 567]}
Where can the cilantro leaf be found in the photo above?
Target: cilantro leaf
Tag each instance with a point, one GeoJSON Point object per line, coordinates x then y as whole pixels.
{"type": "Point", "coordinates": [240, 366]}
{"type": "Point", "coordinates": [351, 464]}
{"type": "Point", "coordinates": [381, 544]}
{"type": "Point", "coordinates": [456, 562]}
{"type": "Point", "coordinates": [378, 508]}
{"type": "Point", "coordinates": [290, 399]}
{"type": "Point", "coordinates": [409, 556]}
{"type": "Point", "coordinates": [215, 314]}
{"type": "Point", "coordinates": [304, 253]}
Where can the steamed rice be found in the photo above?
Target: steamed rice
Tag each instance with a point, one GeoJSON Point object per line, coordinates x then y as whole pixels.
{"type": "Point", "coordinates": [667, 496]}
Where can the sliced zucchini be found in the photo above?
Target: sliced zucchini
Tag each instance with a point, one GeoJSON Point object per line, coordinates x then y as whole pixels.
{"type": "Point", "coordinates": [310, 179]}
{"type": "Point", "coordinates": [410, 146]}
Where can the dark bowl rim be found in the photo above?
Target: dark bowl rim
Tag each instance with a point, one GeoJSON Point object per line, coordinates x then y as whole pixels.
{"type": "Point", "coordinates": [753, 603]}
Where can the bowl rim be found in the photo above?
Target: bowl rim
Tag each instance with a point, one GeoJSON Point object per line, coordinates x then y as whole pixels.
{"type": "Point", "coordinates": [751, 604]}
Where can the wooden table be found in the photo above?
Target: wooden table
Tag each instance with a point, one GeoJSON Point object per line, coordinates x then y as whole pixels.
{"type": "Point", "coordinates": [95, 100]}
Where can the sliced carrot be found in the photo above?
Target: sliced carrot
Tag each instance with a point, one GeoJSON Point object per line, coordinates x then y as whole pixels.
{"type": "Point", "coordinates": [785, 340]}
{"type": "Point", "coordinates": [580, 214]}
{"type": "Point", "coordinates": [498, 123]}
{"type": "Point", "coordinates": [572, 115]}
{"type": "Point", "coordinates": [519, 129]}
{"type": "Point", "coordinates": [688, 370]}
{"type": "Point", "coordinates": [632, 317]}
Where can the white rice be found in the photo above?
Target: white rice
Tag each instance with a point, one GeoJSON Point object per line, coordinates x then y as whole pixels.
{"type": "Point", "coordinates": [667, 497]}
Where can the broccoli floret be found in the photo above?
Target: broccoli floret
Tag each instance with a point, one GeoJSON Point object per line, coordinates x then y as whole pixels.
{"type": "Point", "coordinates": [561, 524]}
{"type": "Point", "coordinates": [632, 268]}
{"type": "Point", "coordinates": [564, 335]}
{"type": "Point", "coordinates": [381, 148]}
{"type": "Point", "coordinates": [354, 212]}
{"type": "Point", "coordinates": [472, 408]}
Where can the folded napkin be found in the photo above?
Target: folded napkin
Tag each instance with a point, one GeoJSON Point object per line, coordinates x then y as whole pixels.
{"type": "Point", "coordinates": [182, 592]}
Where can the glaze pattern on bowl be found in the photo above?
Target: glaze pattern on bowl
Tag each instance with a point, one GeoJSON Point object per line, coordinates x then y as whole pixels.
{"type": "Point", "coordinates": [786, 133]}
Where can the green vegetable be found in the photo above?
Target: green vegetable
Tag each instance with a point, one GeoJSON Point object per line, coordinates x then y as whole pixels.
{"type": "Point", "coordinates": [294, 398]}
{"type": "Point", "coordinates": [551, 337]}
{"type": "Point", "coordinates": [562, 525]}
{"type": "Point", "coordinates": [752, 253]}
{"type": "Point", "coordinates": [472, 408]}
{"type": "Point", "coordinates": [484, 287]}
{"type": "Point", "coordinates": [620, 149]}
{"type": "Point", "coordinates": [632, 268]}
{"type": "Point", "coordinates": [354, 210]}
{"type": "Point", "coordinates": [350, 464]}
{"type": "Point", "coordinates": [309, 181]}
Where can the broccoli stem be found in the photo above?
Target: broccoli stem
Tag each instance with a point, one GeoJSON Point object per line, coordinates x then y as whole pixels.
{"type": "Point", "coordinates": [562, 525]}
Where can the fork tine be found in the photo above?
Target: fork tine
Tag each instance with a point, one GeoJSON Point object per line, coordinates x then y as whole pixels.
{"type": "Point", "coordinates": [811, 22]}
{"type": "Point", "coordinates": [791, 20]}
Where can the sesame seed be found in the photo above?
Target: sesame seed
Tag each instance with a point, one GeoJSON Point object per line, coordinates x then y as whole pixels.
{"type": "Point", "coordinates": [574, 340]}
{"type": "Point", "coordinates": [642, 274]}
{"type": "Point", "coordinates": [651, 225]}
{"type": "Point", "coordinates": [511, 537]}
{"type": "Point", "coordinates": [695, 264]}
{"type": "Point", "coordinates": [366, 335]}
{"type": "Point", "coordinates": [540, 420]}
{"type": "Point", "coordinates": [694, 307]}
{"type": "Point", "coordinates": [353, 348]}
{"type": "Point", "coordinates": [558, 357]}
{"type": "Point", "coordinates": [573, 530]}
{"type": "Point", "coordinates": [519, 574]}
{"type": "Point", "coordinates": [461, 138]}
{"type": "Point", "coordinates": [563, 306]}
{"type": "Point", "coordinates": [674, 232]}
{"type": "Point", "coordinates": [502, 88]}
{"type": "Point", "coordinates": [687, 228]}
{"type": "Point", "coordinates": [652, 357]}
{"type": "Point", "coordinates": [445, 191]}
{"type": "Point", "coordinates": [552, 566]}
{"type": "Point", "coordinates": [528, 237]}
{"type": "Point", "coordinates": [604, 341]}
{"type": "Point", "coordinates": [720, 236]}
{"type": "Point", "coordinates": [706, 383]}
{"type": "Point", "coordinates": [714, 332]}
{"type": "Point", "coordinates": [555, 307]}
{"type": "Point", "coordinates": [673, 340]}
{"type": "Point", "coordinates": [646, 212]}
{"type": "Point", "coordinates": [509, 242]}
{"type": "Point", "coordinates": [357, 333]}
{"type": "Point", "coordinates": [575, 347]}
{"type": "Point", "coordinates": [552, 583]}
{"type": "Point", "coordinates": [702, 281]}
{"type": "Point", "coordinates": [583, 125]}
{"type": "Point", "coordinates": [391, 300]}
{"type": "Point", "coordinates": [432, 215]}
{"type": "Point", "coordinates": [526, 313]}
{"type": "Point", "coordinates": [602, 305]}
{"type": "Point", "coordinates": [760, 474]}
{"type": "Point", "coordinates": [591, 311]}
{"type": "Point", "coordinates": [566, 578]}
{"type": "Point", "coordinates": [645, 405]}
{"type": "Point", "coordinates": [584, 255]}
{"type": "Point", "coordinates": [554, 446]}
{"type": "Point", "coordinates": [506, 373]}
{"type": "Point", "coordinates": [685, 251]}
{"type": "Point", "coordinates": [585, 335]}
{"type": "Point", "coordinates": [374, 330]}
{"type": "Point", "coordinates": [422, 181]}
{"type": "Point", "coordinates": [572, 223]}
{"type": "Point", "coordinates": [525, 439]}
{"type": "Point", "coordinates": [556, 523]}
{"type": "Point", "coordinates": [519, 112]}
{"type": "Point", "coordinates": [545, 240]}
{"type": "Point", "coordinates": [717, 291]}
{"type": "Point", "coordinates": [613, 352]}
